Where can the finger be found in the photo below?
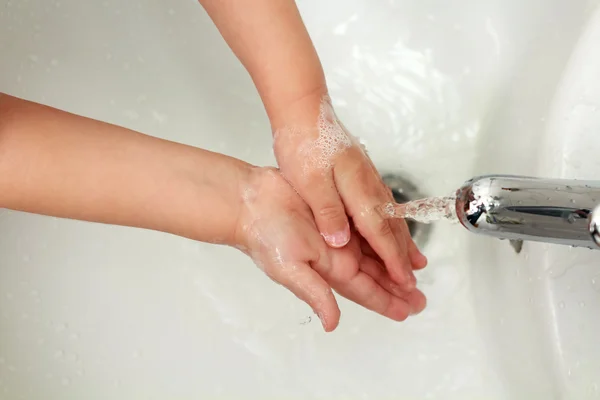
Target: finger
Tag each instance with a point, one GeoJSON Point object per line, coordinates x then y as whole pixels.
{"type": "Point", "coordinates": [363, 290]}
{"type": "Point", "coordinates": [400, 228]}
{"type": "Point", "coordinates": [309, 287]}
{"type": "Point", "coordinates": [367, 250]}
{"type": "Point", "coordinates": [321, 195]}
{"type": "Point", "coordinates": [415, 299]}
{"type": "Point", "coordinates": [418, 259]}
{"type": "Point", "coordinates": [381, 235]}
{"type": "Point", "coordinates": [362, 191]}
{"type": "Point", "coordinates": [360, 288]}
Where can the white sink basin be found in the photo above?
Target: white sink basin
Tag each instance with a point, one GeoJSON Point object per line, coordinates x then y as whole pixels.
{"type": "Point", "coordinates": [438, 93]}
{"type": "Point", "coordinates": [542, 307]}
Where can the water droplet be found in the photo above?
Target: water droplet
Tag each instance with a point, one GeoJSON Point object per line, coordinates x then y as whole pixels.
{"type": "Point", "coordinates": [65, 381]}
{"type": "Point", "coordinates": [54, 62]}
{"type": "Point", "coordinates": [572, 201]}
{"type": "Point", "coordinates": [596, 283]}
{"type": "Point", "coordinates": [581, 304]}
{"type": "Point", "coordinates": [41, 341]}
{"type": "Point", "coordinates": [12, 368]}
{"type": "Point", "coordinates": [60, 327]}
{"type": "Point", "coordinates": [79, 372]}
{"type": "Point", "coordinates": [9, 296]}
{"type": "Point", "coordinates": [2, 361]}
{"type": "Point", "coordinates": [159, 117]}
{"type": "Point", "coordinates": [131, 114]}
{"type": "Point", "coordinates": [59, 354]}
{"type": "Point", "coordinates": [561, 304]}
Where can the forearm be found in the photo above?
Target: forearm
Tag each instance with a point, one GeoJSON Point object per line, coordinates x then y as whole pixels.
{"type": "Point", "coordinates": [56, 163]}
{"type": "Point", "coordinates": [270, 39]}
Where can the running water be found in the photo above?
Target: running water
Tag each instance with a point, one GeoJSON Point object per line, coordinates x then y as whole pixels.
{"type": "Point", "coordinates": [425, 211]}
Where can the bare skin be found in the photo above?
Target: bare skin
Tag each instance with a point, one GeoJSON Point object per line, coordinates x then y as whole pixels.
{"type": "Point", "coordinates": [270, 39]}
{"type": "Point", "coordinates": [56, 163]}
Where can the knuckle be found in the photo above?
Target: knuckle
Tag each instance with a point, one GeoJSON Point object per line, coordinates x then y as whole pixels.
{"type": "Point", "coordinates": [312, 174]}
{"type": "Point", "coordinates": [383, 228]}
{"type": "Point", "coordinates": [332, 212]}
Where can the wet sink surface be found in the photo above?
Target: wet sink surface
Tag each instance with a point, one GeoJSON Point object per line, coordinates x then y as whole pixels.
{"type": "Point", "coordinates": [436, 93]}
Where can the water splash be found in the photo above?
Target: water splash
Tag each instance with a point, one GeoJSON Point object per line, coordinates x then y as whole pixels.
{"type": "Point", "coordinates": [426, 210]}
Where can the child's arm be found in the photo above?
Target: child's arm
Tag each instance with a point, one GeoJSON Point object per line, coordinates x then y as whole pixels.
{"type": "Point", "coordinates": [318, 157]}
{"type": "Point", "coordinates": [60, 164]}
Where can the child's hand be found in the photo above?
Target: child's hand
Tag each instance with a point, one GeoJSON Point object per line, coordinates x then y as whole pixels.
{"type": "Point", "coordinates": [334, 175]}
{"type": "Point", "coordinates": [330, 172]}
{"type": "Point", "coordinates": [276, 228]}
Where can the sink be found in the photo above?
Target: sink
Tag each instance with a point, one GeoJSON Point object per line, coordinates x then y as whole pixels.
{"type": "Point", "coordinates": [541, 307]}
{"type": "Point", "coordinates": [438, 94]}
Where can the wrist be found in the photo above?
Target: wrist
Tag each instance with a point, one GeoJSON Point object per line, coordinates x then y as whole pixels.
{"type": "Point", "coordinates": [250, 192]}
{"type": "Point", "coordinates": [210, 187]}
{"type": "Point", "coordinates": [301, 110]}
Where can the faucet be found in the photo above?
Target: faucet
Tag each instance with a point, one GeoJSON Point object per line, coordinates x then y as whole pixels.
{"type": "Point", "coordinates": [558, 211]}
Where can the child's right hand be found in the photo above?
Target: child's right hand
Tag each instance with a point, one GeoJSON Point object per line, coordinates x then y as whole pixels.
{"type": "Point", "coordinates": [276, 229]}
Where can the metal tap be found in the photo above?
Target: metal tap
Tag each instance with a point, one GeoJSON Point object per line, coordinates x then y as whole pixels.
{"type": "Point", "coordinates": [558, 211]}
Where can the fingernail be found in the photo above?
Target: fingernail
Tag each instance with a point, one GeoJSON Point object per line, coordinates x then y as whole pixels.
{"type": "Point", "coordinates": [338, 239]}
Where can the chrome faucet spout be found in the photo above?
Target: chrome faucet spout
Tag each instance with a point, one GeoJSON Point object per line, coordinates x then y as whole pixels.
{"type": "Point", "coordinates": [556, 211]}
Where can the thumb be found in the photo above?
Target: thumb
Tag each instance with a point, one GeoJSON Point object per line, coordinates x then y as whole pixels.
{"type": "Point", "coordinates": [329, 212]}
